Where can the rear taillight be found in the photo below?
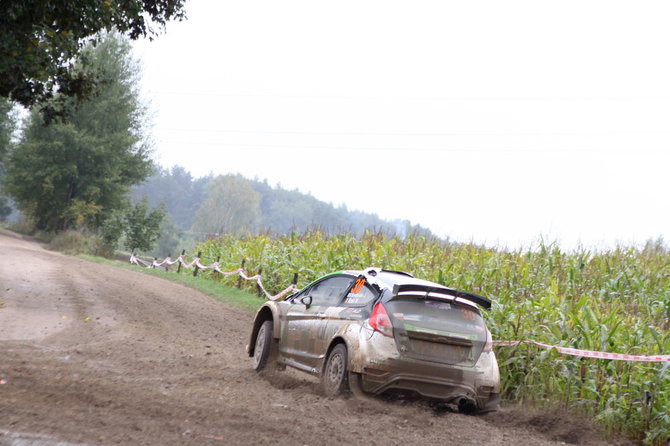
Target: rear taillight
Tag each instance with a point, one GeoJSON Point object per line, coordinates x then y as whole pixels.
{"type": "Point", "coordinates": [488, 347]}
{"type": "Point", "coordinates": [379, 320]}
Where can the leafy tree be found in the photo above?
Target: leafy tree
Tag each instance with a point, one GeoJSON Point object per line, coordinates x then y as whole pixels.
{"type": "Point", "coordinates": [5, 208]}
{"type": "Point", "coordinates": [78, 173]}
{"type": "Point", "coordinates": [142, 227]}
{"type": "Point", "coordinates": [39, 39]}
{"type": "Point", "coordinates": [177, 190]}
{"type": "Point", "coordinates": [113, 228]}
{"type": "Point", "coordinates": [168, 240]}
{"type": "Point", "coordinates": [7, 126]}
{"type": "Point", "coordinates": [231, 207]}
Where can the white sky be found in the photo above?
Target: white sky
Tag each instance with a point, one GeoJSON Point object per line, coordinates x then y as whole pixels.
{"type": "Point", "coordinates": [489, 121]}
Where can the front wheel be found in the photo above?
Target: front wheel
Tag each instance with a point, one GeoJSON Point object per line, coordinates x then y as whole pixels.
{"type": "Point", "coordinates": [263, 347]}
{"type": "Point", "coordinates": [334, 377]}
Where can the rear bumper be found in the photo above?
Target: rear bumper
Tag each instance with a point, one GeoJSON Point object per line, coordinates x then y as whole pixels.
{"type": "Point", "coordinates": [428, 380]}
{"type": "Point", "coordinates": [382, 368]}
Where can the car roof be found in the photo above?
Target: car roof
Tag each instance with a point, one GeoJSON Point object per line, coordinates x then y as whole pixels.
{"type": "Point", "coordinates": [388, 278]}
{"type": "Point", "coordinates": [398, 281]}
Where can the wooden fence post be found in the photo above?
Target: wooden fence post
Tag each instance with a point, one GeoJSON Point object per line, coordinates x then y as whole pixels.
{"type": "Point", "coordinates": [239, 279]}
{"type": "Point", "coordinates": [295, 279]}
{"type": "Point", "coordinates": [183, 251]}
{"type": "Point", "coordinates": [195, 270]}
{"type": "Point", "coordinates": [153, 265]}
{"type": "Point", "coordinates": [258, 285]}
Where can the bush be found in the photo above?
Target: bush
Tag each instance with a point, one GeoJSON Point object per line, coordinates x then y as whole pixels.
{"type": "Point", "coordinates": [80, 242]}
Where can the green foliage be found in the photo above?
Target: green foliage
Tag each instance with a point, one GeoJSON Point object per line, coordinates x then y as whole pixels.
{"type": "Point", "coordinates": [616, 301]}
{"type": "Point", "coordinates": [281, 211]}
{"type": "Point", "coordinates": [77, 174]}
{"type": "Point", "coordinates": [113, 228]}
{"type": "Point", "coordinates": [169, 240]}
{"type": "Point", "coordinates": [79, 242]}
{"type": "Point", "coordinates": [284, 211]}
{"type": "Point", "coordinates": [7, 127]}
{"type": "Point", "coordinates": [177, 190]}
{"type": "Point", "coordinates": [40, 38]}
{"type": "Point", "coordinates": [231, 207]}
{"type": "Point", "coordinates": [5, 208]}
{"type": "Point", "coordinates": [143, 226]}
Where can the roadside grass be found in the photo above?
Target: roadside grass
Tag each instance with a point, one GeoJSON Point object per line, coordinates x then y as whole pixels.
{"type": "Point", "coordinates": [217, 290]}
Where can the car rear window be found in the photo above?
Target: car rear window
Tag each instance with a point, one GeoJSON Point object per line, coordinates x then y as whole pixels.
{"type": "Point", "coordinates": [438, 318]}
{"type": "Point", "coordinates": [436, 330]}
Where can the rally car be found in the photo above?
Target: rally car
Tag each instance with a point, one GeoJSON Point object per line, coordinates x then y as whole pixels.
{"type": "Point", "coordinates": [374, 331]}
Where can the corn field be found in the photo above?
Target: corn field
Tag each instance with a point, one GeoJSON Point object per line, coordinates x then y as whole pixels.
{"type": "Point", "coordinates": [616, 301]}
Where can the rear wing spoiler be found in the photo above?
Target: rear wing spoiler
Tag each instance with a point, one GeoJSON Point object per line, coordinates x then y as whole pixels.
{"type": "Point", "coordinates": [428, 291]}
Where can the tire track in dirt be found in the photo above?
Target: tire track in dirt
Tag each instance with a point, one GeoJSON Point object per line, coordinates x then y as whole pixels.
{"type": "Point", "coordinates": [159, 363]}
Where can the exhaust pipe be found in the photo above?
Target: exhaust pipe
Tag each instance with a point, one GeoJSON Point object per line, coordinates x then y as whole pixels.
{"type": "Point", "coordinates": [465, 404]}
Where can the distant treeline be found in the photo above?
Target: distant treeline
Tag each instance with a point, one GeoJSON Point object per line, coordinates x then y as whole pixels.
{"type": "Point", "coordinates": [216, 205]}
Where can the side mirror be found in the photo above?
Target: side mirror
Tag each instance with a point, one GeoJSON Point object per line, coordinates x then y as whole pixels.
{"type": "Point", "coordinates": [306, 301]}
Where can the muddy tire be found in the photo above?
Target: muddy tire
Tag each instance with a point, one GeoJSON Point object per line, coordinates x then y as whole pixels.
{"type": "Point", "coordinates": [265, 348]}
{"type": "Point", "coordinates": [334, 376]}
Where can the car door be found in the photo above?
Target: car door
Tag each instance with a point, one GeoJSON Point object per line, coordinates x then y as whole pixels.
{"type": "Point", "coordinates": [304, 341]}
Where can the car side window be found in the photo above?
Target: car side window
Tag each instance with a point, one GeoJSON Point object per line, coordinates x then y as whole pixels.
{"type": "Point", "coordinates": [359, 295]}
{"type": "Point", "coordinates": [329, 291]}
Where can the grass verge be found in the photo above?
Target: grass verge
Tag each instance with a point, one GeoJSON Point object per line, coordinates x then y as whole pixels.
{"type": "Point", "coordinates": [217, 290]}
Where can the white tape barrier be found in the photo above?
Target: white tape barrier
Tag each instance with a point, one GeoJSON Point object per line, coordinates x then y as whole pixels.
{"type": "Point", "coordinates": [215, 267]}
{"type": "Point", "coordinates": [590, 353]}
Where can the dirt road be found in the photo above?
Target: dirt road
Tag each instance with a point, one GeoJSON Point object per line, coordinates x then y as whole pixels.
{"type": "Point", "coordinates": [95, 355]}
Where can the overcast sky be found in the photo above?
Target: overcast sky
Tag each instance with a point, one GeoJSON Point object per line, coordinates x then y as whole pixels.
{"type": "Point", "coordinates": [490, 121]}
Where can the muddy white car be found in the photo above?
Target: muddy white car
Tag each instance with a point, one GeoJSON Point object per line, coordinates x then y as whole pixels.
{"type": "Point", "coordinates": [377, 331]}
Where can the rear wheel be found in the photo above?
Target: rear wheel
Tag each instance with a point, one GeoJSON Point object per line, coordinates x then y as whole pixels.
{"type": "Point", "coordinates": [334, 377]}
{"type": "Point", "coordinates": [263, 349]}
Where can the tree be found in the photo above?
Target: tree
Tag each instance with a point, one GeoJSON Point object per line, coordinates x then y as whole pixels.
{"type": "Point", "coordinates": [169, 239]}
{"type": "Point", "coordinates": [7, 127]}
{"type": "Point", "coordinates": [142, 227]}
{"type": "Point", "coordinates": [78, 173]}
{"type": "Point", "coordinates": [231, 207]}
{"type": "Point", "coordinates": [39, 39]}
{"type": "Point", "coordinates": [177, 190]}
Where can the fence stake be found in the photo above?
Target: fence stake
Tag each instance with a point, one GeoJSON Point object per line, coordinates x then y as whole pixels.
{"type": "Point", "coordinates": [166, 266]}
{"type": "Point", "coordinates": [153, 265]}
{"type": "Point", "coordinates": [258, 285]}
{"type": "Point", "coordinates": [239, 279]}
{"type": "Point", "coordinates": [195, 270]}
{"type": "Point", "coordinates": [183, 251]}
{"type": "Point", "coordinates": [295, 279]}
